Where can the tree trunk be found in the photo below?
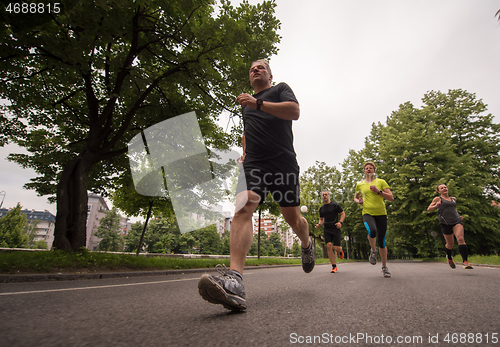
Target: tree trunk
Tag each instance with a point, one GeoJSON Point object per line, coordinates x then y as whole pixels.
{"type": "Point", "coordinates": [72, 205]}
{"type": "Point", "coordinates": [144, 229]}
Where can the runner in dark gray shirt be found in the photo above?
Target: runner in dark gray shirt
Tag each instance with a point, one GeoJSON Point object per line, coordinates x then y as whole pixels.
{"type": "Point", "coordinates": [451, 224]}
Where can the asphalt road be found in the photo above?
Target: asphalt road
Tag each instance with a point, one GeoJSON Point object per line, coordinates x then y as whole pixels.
{"type": "Point", "coordinates": [423, 304]}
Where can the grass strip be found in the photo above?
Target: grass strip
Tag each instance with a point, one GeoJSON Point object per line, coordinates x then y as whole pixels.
{"type": "Point", "coordinates": [61, 262]}
{"type": "Point", "coordinates": [83, 262]}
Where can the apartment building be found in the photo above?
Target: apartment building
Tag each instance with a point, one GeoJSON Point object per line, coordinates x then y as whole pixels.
{"type": "Point", "coordinates": [43, 223]}
{"type": "Point", "coordinates": [97, 208]}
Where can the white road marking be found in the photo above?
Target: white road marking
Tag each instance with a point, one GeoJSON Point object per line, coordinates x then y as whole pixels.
{"type": "Point", "coordinates": [95, 287]}
{"type": "Point", "coordinates": [99, 287]}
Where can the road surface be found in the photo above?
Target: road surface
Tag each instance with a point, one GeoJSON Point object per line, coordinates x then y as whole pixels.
{"type": "Point", "coordinates": [423, 304]}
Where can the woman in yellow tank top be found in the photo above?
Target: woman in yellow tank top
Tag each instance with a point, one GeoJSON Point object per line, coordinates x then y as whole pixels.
{"type": "Point", "coordinates": [371, 193]}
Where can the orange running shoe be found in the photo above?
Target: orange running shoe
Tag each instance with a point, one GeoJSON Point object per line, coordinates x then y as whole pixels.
{"type": "Point", "coordinates": [466, 265]}
{"type": "Point", "coordinates": [341, 255]}
{"type": "Point", "coordinates": [334, 269]}
{"type": "Point", "coordinates": [451, 263]}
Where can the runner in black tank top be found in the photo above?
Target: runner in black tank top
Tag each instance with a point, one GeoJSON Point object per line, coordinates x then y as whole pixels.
{"type": "Point", "coordinates": [451, 224]}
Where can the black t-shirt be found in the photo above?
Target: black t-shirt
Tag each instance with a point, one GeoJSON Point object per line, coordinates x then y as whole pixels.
{"type": "Point", "coordinates": [331, 214]}
{"type": "Point", "coordinates": [268, 137]}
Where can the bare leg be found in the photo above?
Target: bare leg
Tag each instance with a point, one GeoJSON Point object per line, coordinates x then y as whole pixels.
{"type": "Point", "coordinates": [338, 249]}
{"type": "Point", "coordinates": [331, 253]}
{"type": "Point", "coordinates": [242, 230]}
{"type": "Point", "coordinates": [373, 242]}
{"type": "Point", "coordinates": [297, 223]}
{"type": "Point", "coordinates": [383, 255]}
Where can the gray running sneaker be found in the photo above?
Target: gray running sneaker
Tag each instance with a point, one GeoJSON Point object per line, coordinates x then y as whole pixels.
{"type": "Point", "coordinates": [308, 258]}
{"type": "Point", "coordinates": [385, 271]}
{"type": "Point", "coordinates": [226, 290]}
{"type": "Point", "coordinates": [373, 257]}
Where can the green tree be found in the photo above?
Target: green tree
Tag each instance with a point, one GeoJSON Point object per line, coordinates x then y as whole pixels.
{"type": "Point", "coordinates": [296, 251]}
{"type": "Point", "coordinates": [162, 236]}
{"type": "Point", "coordinates": [449, 140]}
{"type": "Point", "coordinates": [208, 240]}
{"type": "Point", "coordinates": [12, 229]}
{"type": "Point", "coordinates": [30, 231]}
{"type": "Point", "coordinates": [312, 182]}
{"type": "Point", "coordinates": [41, 244]}
{"type": "Point", "coordinates": [110, 231]}
{"type": "Point", "coordinates": [276, 247]}
{"type": "Point", "coordinates": [226, 238]}
{"type": "Point", "coordinates": [133, 236]}
{"type": "Point", "coordinates": [82, 83]}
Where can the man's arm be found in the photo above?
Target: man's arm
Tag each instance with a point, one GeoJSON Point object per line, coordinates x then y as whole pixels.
{"type": "Point", "coordinates": [244, 146]}
{"type": "Point", "coordinates": [287, 110]}
{"type": "Point", "coordinates": [342, 218]}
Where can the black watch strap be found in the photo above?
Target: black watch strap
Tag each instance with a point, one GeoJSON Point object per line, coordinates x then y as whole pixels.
{"type": "Point", "coordinates": [259, 104]}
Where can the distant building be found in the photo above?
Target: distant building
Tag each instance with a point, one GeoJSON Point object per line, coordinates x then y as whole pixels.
{"type": "Point", "coordinates": [267, 225]}
{"type": "Point", "coordinates": [289, 238]}
{"type": "Point", "coordinates": [224, 223]}
{"type": "Point", "coordinates": [42, 221]}
{"type": "Point", "coordinates": [272, 225]}
{"type": "Point", "coordinates": [97, 208]}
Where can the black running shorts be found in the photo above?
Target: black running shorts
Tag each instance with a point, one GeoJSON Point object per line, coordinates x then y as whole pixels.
{"type": "Point", "coordinates": [281, 179]}
{"type": "Point", "coordinates": [448, 229]}
{"type": "Point", "coordinates": [332, 235]}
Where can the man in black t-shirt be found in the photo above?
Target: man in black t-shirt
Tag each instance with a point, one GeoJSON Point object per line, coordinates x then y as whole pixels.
{"type": "Point", "coordinates": [269, 165]}
{"type": "Point", "coordinates": [328, 216]}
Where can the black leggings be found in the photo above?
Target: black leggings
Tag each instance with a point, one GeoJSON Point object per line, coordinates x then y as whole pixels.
{"type": "Point", "coordinates": [376, 227]}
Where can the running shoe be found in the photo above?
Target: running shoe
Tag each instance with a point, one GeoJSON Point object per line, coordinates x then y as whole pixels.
{"type": "Point", "coordinates": [385, 271]}
{"type": "Point", "coordinates": [451, 263]}
{"type": "Point", "coordinates": [341, 255]}
{"type": "Point", "coordinates": [373, 257]}
{"type": "Point", "coordinates": [226, 290]}
{"type": "Point", "coordinates": [334, 269]}
{"type": "Point", "coordinates": [308, 258]}
{"type": "Point", "coordinates": [466, 265]}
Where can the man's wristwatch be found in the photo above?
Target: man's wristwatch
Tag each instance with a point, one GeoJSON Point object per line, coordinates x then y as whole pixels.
{"type": "Point", "coordinates": [259, 104]}
{"type": "Point", "coordinates": [380, 192]}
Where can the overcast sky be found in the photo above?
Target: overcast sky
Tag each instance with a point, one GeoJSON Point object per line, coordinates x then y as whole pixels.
{"type": "Point", "coordinates": [351, 63]}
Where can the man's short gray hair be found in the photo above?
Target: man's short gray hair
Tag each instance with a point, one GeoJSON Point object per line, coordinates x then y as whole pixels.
{"type": "Point", "coordinates": [265, 63]}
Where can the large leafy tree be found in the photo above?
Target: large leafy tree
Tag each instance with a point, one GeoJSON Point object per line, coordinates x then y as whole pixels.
{"type": "Point", "coordinates": [449, 140]}
{"type": "Point", "coordinates": [312, 182]}
{"type": "Point", "coordinates": [83, 82]}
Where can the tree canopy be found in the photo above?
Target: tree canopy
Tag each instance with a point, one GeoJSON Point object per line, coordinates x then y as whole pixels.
{"type": "Point", "coordinates": [450, 139]}
{"type": "Point", "coordinates": [82, 83]}
{"type": "Point", "coordinates": [12, 229]}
